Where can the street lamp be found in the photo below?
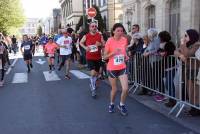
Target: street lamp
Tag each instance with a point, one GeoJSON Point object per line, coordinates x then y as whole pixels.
{"type": "Point", "coordinates": [44, 28]}
{"type": "Point", "coordinates": [129, 15]}
{"type": "Point", "coordinates": [49, 26]}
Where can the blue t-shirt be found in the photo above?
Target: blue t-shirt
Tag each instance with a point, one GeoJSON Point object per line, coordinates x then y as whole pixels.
{"type": "Point", "coordinates": [43, 40]}
{"type": "Point", "coordinates": [27, 45]}
{"type": "Point", "coordinates": [56, 37]}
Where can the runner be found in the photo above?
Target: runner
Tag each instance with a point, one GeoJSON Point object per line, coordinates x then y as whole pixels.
{"type": "Point", "coordinates": [56, 37]}
{"type": "Point", "coordinates": [50, 50]}
{"type": "Point", "coordinates": [3, 53]}
{"type": "Point", "coordinates": [65, 44]}
{"type": "Point", "coordinates": [92, 43]}
{"type": "Point", "coordinates": [27, 50]}
{"type": "Point", "coordinates": [115, 51]}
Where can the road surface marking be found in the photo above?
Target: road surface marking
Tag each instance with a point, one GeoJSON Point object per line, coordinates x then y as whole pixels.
{"type": "Point", "coordinates": [51, 76]}
{"type": "Point", "coordinates": [10, 68]}
{"type": "Point", "coordinates": [20, 78]}
{"type": "Point", "coordinates": [79, 74]}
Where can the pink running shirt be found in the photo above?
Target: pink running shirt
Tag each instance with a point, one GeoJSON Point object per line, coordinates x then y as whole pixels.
{"type": "Point", "coordinates": [51, 48]}
{"type": "Point", "coordinates": [116, 62]}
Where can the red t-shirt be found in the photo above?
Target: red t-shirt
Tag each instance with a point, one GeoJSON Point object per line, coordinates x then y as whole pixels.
{"type": "Point", "coordinates": [95, 53]}
{"type": "Point", "coordinates": [116, 62]}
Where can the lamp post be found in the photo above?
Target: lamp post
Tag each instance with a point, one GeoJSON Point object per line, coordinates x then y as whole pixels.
{"type": "Point", "coordinates": [129, 14]}
{"type": "Point", "coordinates": [49, 26]}
{"type": "Point", "coordinates": [44, 28]}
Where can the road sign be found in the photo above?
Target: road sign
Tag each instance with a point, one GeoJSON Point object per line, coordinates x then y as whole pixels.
{"type": "Point", "coordinates": [92, 12]}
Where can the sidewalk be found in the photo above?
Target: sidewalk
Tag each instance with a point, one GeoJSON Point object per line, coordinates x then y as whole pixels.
{"type": "Point", "coordinates": [185, 120]}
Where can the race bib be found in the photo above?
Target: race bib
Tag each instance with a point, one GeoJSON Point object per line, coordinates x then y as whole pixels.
{"type": "Point", "coordinates": [118, 59]}
{"type": "Point", "coordinates": [27, 47]}
{"type": "Point", "coordinates": [66, 42]}
{"type": "Point", "coordinates": [51, 55]}
{"type": "Point", "coordinates": [93, 48]}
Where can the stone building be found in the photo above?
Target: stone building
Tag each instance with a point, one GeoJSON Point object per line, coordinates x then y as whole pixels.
{"type": "Point", "coordinates": [174, 16]}
{"type": "Point", "coordinates": [72, 10]}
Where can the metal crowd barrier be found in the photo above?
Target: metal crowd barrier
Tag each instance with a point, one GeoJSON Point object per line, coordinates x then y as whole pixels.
{"type": "Point", "coordinates": [167, 76]}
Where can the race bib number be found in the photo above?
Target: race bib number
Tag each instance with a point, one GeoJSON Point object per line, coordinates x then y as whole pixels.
{"type": "Point", "coordinates": [66, 42]}
{"type": "Point", "coordinates": [93, 48]}
{"type": "Point", "coordinates": [27, 47]}
{"type": "Point", "coordinates": [51, 55]}
{"type": "Point", "coordinates": [118, 59]}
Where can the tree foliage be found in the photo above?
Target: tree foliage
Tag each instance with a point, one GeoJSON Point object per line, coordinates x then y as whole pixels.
{"type": "Point", "coordinates": [39, 30]}
{"type": "Point", "coordinates": [101, 24]}
{"type": "Point", "coordinates": [11, 15]}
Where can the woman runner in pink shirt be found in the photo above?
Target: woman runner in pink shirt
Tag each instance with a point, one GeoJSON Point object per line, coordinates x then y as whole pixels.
{"type": "Point", "coordinates": [50, 50]}
{"type": "Point", "coordinates": [115, 52]}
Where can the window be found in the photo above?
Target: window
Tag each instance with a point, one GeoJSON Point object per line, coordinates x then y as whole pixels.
{"type": "Point", "coordinates": [199, 16]}
{"type": "Point", "coordinates": [94, 2]}
{"type": "Point", "coordinates": [174, 20]}
{"type": "Point", "coordinates": [99, 2]}
{"type": "Point", "coordinates": [104, 2]}
{"type": "Point", "coordinates": [151, 16]}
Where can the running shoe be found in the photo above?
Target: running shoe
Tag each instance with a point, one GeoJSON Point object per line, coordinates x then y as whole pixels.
{"type": "Point", "coordinates": [94, 94]}
{"type": "Point", "coordinates": [123, 110]}
{"type": "Point", "coordinates": [111, 108]}
{"type": "Point", "coordinates": [67, 77]}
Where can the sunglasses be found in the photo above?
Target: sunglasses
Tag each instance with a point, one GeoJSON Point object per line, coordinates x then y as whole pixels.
{"type": "Point", "coordinates": [93, 26]}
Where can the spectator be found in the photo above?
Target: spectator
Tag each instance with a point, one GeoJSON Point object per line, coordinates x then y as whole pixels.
{"type": "Point", "coordinates": [187, 49]}
{"type": "Point", "coordinates": [154, 59]}
{"type": "Point", "coordinates": [167, 49]}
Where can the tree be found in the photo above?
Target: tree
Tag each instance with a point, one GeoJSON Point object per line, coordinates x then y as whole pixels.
{"type": "Point", "coordinates": [39, 30]}
{"type": "Point", "coordinates": [101, 24]}
{"type": "Point", "coordinates": [11, 15]}
{"type": "Point", "coordinates": [80, 24]}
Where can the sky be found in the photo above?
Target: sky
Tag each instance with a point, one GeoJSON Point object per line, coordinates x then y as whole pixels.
{"type": "Point", "coordinates": [39, 8]}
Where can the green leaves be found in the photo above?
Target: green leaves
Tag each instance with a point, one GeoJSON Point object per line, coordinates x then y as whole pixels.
{"type": "Point", "coordinates": [11, 15]}
{"type": "Point", "coordinates": [39, 30]}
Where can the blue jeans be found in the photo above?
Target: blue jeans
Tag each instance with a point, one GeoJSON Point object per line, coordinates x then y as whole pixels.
{"type": "Point", "coordinates": [170, 81]}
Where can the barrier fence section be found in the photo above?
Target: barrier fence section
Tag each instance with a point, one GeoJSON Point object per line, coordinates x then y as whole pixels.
{"type": "Point", "coordinates": [168, 76]}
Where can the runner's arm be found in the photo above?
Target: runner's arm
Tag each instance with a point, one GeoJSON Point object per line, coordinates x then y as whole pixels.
{"type": "Point", "coordinates": [21, 49]}
{"type": "Point", "coordinates": [82, 43]}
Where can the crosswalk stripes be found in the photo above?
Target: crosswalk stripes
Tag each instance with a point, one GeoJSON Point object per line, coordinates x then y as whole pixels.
{"type": "Point", "coordinates": [20, 78]}
{"type": "Point", "coordinates": [51, 76]}
{"type": "Point", "coordinates": [23, 77]}
{"type": "Point", "coordinates": [79, 74]}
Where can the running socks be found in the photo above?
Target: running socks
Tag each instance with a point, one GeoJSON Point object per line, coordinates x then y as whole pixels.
{"type": "Point", "coordinates": [28, 66]}
{"type": "Point", "coordinates": [93, 80]}
{"type": "Point", "coordinates": [50, 67]}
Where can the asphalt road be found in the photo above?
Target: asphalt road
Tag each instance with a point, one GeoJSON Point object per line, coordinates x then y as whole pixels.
{"type": "Point", "coordinates": [66, 107]}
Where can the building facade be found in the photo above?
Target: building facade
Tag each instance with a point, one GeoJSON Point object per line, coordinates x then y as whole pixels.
{"type": "Point", "coordinates": [56, 20]}
{"type": "Point", "coordinates": [111, 11]}
{"type": "Point", "coordinates": [30, 27]}
{"type": "Point", "coordinates": [71, 11]}
{"type": "Point", "coordinates": [175, 16]}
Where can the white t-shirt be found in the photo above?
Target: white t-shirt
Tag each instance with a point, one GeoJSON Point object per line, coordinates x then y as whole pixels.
{"type": "Point", "coordinates": [67, 42]}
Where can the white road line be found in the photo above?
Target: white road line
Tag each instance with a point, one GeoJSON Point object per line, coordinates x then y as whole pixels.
{"type": "Point", "coordinates": [51, 76]}
{"type": "Point", "coordinates": [79, 74]}
{"type": "Point", "coordinates": [20, 78]}
{"type": "Point", "coordinates": [10, 68]}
